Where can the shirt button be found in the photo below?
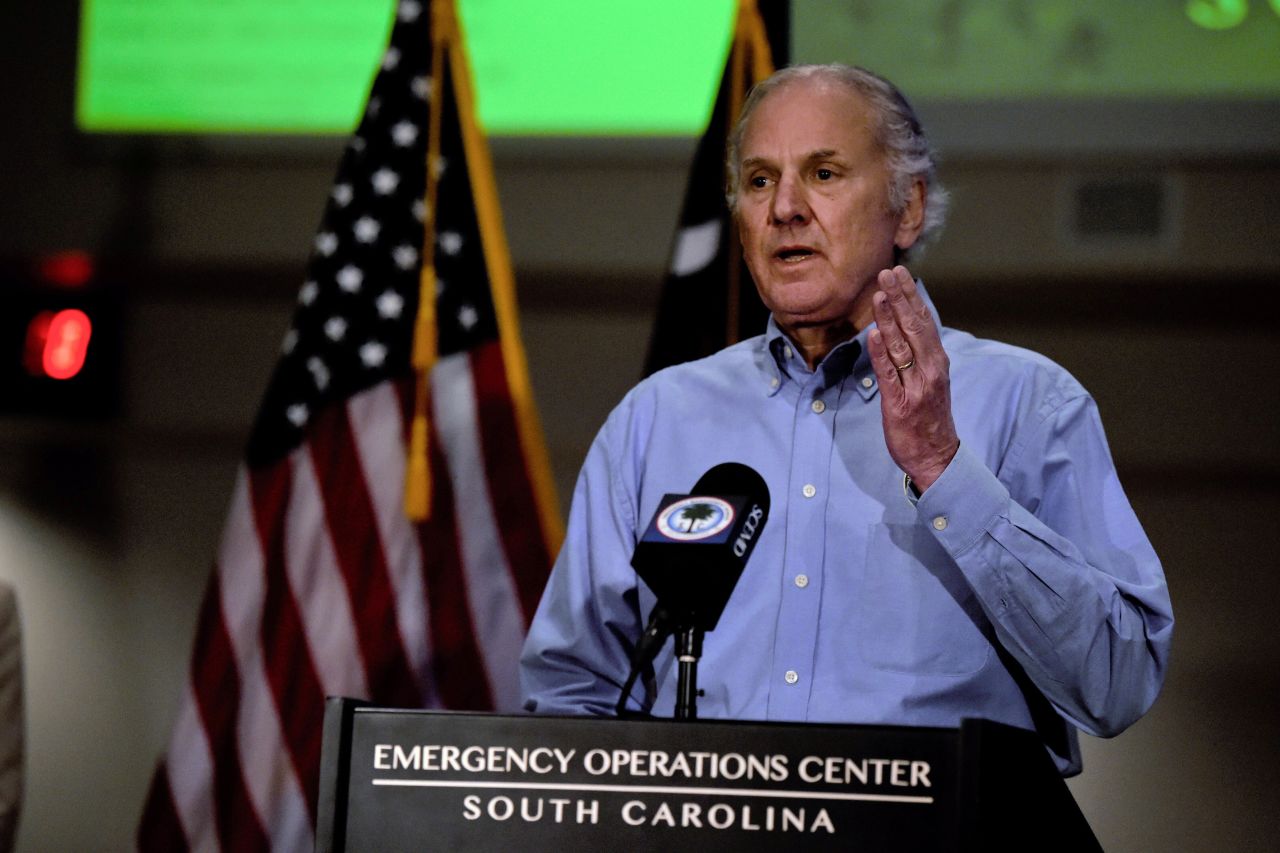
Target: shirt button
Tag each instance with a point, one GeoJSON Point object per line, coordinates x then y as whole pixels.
{"type": "Point", "coordinates": [940, 523]}
{"type": "Point", "coordinates": [819, 407]}
{"type": "Point", "coordinates": [786, 352]}
{"type": "Point", "coordinates": [802, 581]}
{"type": "Point", "coordinates": [773, 383]}
{"type": "Point", "coordinates": [792, 676]}
{"type": "Point", "coordinates": [867, 382]}
{"type": "Point", "coordinates": [809, 491]}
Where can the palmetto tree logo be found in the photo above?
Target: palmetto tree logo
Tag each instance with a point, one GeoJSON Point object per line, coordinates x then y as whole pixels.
{"type": "Point", "coordinates": [695, 518]}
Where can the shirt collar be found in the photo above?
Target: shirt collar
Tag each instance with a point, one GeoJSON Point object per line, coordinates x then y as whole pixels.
{"type": "Point", "coordinates": [780, 360]}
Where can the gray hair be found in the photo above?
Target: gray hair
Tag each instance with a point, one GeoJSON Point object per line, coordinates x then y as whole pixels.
{"type": "Point", "coordinates": [898, 132]}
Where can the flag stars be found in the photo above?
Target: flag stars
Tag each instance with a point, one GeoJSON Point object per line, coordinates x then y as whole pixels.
{"type": "Point", "coordinates": [420, 210]}
{"type": "Point", "coordinates": [409, 10]}
{"type": "Point", "coordinates": [385, 181]}
{"type": "Point", "coordinates": [375, 106]}
{"type": "Point", "coordinates": [297, 414]}
{"type": "Point", "coordinates": [366, 229]}
{"type": "Point", "coordinates": [335, 328]}
{"type": "Point", "coordinates": [468, 317]}
{"type": "Point", "coordinates": [356, 144]}
{"type": "Point", "coordinates": [391, 59]}
{"type": "Point", "coordinates": [310, 290]}
{"type": "Point", "coordinates": [421, 87]}
{"type": "Point", "coordinates": [326, 243]}
{"type": "Point", "coordinates": [404, 133]}
{"type": "Point", "coordinates": [450, 242]}
{"type": "Point", "coordinates": [290, 341]}
{"type": "Point", "coordinates": [350, 278]}
{"type": "Point", "coordinates": [405, 256]}
{"type": "Point", "coordinates": [390, 305]}
{"type": "Point", "coordinates": [440, 164]}
{"type": "Point", "coordinates": [342, 194]}
{"type": "Point", "coordinates": [373, 354]}
{"type": "Point", "coordinates": [319, 372]}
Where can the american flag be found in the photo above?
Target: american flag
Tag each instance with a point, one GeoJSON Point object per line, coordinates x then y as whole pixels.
{"type": "Point", "coordinates": [322, 585]}
{"type": "Point", "coordinates": [708, 299]}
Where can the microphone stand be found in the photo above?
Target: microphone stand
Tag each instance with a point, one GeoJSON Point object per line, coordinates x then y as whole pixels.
{"type": "Point", "coordinates": [688, 650]}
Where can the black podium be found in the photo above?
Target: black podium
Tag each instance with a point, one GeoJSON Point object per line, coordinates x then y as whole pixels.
{"type": "Point", "coordinates": [395, 780]}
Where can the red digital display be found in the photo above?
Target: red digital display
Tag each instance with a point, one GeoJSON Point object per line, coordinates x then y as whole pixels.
{"type": "Point", "coordinates": [57, 343]}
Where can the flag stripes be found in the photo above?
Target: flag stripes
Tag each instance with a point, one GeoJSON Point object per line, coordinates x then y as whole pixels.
{"type": "Point", "coordinates": [266, 631]}
{"type": "Point", "coordinates": [511, 497]}
{"type": "Point", "coordinates": [380, 446]}
{"type": "Point", "coordinates": [287, 664]}
{"type": "Point", "coordinates": [486, 571]}
{"type": "Point", "coordinates": [347, 505]}
{"type": "Point", "coordinates": [270, 564]}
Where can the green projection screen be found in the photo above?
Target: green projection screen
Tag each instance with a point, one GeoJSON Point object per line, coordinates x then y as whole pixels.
{"type": "Point", "coordinates": [552, 67]}
{"type": "Point", "coordinates": [1069, 49]}
{"type": "Point", "coordinates": [650, 67]}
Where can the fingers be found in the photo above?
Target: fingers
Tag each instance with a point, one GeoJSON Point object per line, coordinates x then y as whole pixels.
{"type": "Point", "coordinates": [913, 371]}
{"type": "Point", "coordinates": [882, 364]}
{"type": "Point", "coordinates": [895, 342]}
{"type": "Point", "coordinates": [909, 311]}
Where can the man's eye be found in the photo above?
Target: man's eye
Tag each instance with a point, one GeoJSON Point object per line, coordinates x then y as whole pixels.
{"type": "Point", "coordinates": [825, 174]}
{"type": "Point", "coordinates": [759, 181]}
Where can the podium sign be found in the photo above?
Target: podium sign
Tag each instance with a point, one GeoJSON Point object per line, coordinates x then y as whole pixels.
{"type": "Point", "coordinates": [417, 780]}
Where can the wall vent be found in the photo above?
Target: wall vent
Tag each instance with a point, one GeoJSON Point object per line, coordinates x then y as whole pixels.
{"type": "Point", "coordinates": [1121, 213]}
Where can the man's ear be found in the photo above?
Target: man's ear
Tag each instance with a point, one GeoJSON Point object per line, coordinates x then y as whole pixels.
{"type": "Point", "coordinates": [911, 222]}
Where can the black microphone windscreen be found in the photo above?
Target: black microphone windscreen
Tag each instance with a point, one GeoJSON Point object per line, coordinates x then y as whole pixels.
{"type": "Point", "coordinates": [734, 478]}
{"type": "Point", "coordinates": [696, 546]}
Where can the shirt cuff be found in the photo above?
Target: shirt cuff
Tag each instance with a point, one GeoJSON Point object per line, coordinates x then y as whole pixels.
{"type": "Point", "coordinates": [962, 503]}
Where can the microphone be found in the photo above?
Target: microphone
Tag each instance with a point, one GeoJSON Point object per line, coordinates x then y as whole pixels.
{"type": "Point", "coordinates": [694, 549]}
{"type": "Point", "coordinates": [691, 555]}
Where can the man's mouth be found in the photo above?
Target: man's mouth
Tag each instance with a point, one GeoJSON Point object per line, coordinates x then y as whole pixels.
{"type": "Point", "coordinates": [793, 254]}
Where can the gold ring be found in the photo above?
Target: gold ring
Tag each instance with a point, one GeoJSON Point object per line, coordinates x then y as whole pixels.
{"type": "Point", "coordinates": [902, 367]}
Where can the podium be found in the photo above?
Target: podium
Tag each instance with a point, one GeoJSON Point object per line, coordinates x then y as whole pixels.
{"type": "Point", "coordinates": [401, 780]}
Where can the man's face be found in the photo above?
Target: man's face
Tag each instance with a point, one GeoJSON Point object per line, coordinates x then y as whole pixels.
{"type": "Point", "coordinates": [813, 206]}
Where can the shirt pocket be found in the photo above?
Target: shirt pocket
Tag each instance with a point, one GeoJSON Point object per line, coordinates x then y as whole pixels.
{"type": "Point", "coordinates": [918, 614]}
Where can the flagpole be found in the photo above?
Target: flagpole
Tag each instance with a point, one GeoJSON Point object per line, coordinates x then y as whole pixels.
{"type": "Point", "coordinates": [737, 90]}
{"type": "Point", "coordinates": [417, 484]}
{"type": "Point", "coordinates": [750, 42]}
{"type": "Point", "coordinates": [451, 47]}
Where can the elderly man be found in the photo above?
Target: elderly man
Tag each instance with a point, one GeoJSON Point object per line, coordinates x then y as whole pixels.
{"type": "Point", "coordinates": [948, 537]}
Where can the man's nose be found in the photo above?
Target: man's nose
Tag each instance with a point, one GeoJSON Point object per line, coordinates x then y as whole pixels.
{"type": "Point", "coordinates": [789, 202]}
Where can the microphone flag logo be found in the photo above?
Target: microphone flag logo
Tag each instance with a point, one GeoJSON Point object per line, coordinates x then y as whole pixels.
{"type": "Point", "coordinates": [695, 518]}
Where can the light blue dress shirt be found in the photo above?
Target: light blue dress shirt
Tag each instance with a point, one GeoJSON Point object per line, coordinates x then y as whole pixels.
{"type": "Point", "coordinates": [1020, 588]}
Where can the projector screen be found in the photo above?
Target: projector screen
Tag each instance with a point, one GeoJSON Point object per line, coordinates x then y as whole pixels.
{"type": "Point", "coordinates": [552, 67]}
{"type": "Point", "coordinates": [1190, 76]}
{"type": "Point", "coordinates": [1172, 78]}
{"type": "Point", "coordinates": [1064, 49]}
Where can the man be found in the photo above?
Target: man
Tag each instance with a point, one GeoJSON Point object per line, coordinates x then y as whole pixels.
{"type": "Point", "coordinates": [948, 537]}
